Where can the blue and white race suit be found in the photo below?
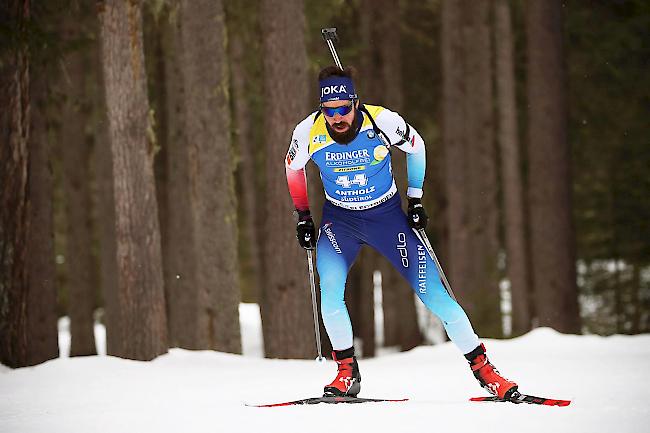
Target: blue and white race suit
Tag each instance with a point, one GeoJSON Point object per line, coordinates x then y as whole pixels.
{"type": "Point", "coordinates": [363, 208]}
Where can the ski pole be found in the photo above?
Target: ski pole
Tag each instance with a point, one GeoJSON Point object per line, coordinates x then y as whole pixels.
{"type": "Point", "coordinates": [425, 240]}
{"type": "Point", "coordinates": [310, 261]}
{"type": "Point", "coordinates": [330, 37]}
{"type": "Point", "coordinates": [329, 34]}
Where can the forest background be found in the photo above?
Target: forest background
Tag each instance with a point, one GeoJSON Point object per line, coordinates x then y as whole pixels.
{"type": "Point", "coordinates": [142, 179]}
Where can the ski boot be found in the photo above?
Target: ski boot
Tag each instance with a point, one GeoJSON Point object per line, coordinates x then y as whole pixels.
{"type": "Point", "coordinates": [488, 376]}
{"type": "Point", "coordinates": [348, 379]}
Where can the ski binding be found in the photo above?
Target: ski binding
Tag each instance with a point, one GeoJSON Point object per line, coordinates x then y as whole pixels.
{"type": "Point", "coordinates": [329, 400]}
{"type": "Point", "coordinates": [519, 398]}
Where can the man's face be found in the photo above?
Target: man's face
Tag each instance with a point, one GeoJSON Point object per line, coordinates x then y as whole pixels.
{"type": "Point", "coordinates": [339, 123]}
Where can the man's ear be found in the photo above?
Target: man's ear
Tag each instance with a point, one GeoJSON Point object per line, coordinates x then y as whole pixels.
{"type": "Point", "coordinates": [356, 104]}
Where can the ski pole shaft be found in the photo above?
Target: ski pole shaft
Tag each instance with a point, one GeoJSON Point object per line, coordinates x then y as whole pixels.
{"type": "Point", "coordinates": [425, 240]}
{"type": "Point", "coordinates": [310, 261]}
{"type": "Point", "coordinates": [330, 37]}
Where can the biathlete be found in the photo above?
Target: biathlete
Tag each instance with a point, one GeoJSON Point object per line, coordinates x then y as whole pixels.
{"type": "Point", "coordinates": [350, 143]}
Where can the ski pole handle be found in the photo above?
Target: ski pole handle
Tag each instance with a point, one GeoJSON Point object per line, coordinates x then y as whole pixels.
{"type": "Point", "coordinates": [310, 262]}
{"type": "Point", "coordinates": [329, 34]}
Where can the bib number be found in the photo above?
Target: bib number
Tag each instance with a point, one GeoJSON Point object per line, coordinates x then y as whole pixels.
{"type": "Point", "coordinates": [345, 182]}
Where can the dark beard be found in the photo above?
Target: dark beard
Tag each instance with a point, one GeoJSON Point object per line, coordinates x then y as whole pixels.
{"type": "Point", "coordinates": [350, 134]}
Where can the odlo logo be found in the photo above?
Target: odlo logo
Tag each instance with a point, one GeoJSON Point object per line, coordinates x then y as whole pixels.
{"type": "Point", "coordinates": [328, 90]}
{"type": "Point", "coordinates": [401, 247]}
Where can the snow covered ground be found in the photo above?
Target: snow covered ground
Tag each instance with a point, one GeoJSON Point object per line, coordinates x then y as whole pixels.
{"type": "Point", "coordinates": [608, 379]}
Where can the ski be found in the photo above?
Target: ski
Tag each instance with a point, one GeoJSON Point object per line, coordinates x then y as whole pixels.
{"type": "Point", "coordinates": [519, 398]}
{"type": "Point", "coordinates": [329, 400]}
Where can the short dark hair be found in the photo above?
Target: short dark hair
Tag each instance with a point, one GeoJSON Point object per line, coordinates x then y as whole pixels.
{"type": "Point", "coordinates": [329, 71]}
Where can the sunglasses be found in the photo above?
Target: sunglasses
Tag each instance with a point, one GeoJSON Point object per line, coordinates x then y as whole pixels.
{"type": "Point", "coordinates": [342, 110]}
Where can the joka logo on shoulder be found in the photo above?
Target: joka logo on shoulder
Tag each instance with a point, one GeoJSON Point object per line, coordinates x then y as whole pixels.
{"type": "Point", "coordinates": [322, 138]}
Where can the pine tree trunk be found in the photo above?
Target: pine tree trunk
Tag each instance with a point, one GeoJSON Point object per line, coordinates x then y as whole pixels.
{"type": "Point", "coordinates": [286, 306]}
{"type": "Point", "coordinates": [514, 215]}
{"type": "Point", "coordinates": [105, 202]}
{"type": "Point", "coordinates": [179, 252]}
{"type": "Point", "coordinates": [470, 162]}
{"type": "Point", "coordinates": [140, 293]}
{"type": "Point", "coordinates": [635, 298]}
{"type": "Point", "coordinates": [75, 148]}
{"type": "Point", "coordinates": [453, 91]}
{"type": "Point", "coordinates": [250, 236]}
{"type": "Point", "coordinates": [107, 238]}
{"type": "Point", "coordinates": [552, 234]}
{"type": "Point", "coordinates": [14, 210]}
{"type": "Point", "coordinates": [481, 298]}
{"type": "Point", "coordinates": [156, 23]}
{"type": "Point", "coordinates": [28, 333]}
{"type": "Point", "coordinates": [42, 331]}
{"type": "Point", "coordinates": [369, 88]}
{"type": "Point", "coordinates": [207, 119]}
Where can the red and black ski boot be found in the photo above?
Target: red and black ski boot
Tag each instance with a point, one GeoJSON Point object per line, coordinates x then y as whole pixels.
{"type": "Point", "coordinates": [348, 379]}
{"type": "Point", "coordinates": [488, 376]}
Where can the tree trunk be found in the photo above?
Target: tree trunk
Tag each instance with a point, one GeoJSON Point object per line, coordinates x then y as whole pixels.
{"type": "Point", "coordinates": [140, 293]}
{"type": "Point", "coordinates": [453, 93]}
{"type": "Point", "coordinates": [28, 333]}
{"type": "Point", "coordinates": [286, 307]}
{"type": "Point", "coordinates": [470, 161]}
{"type": "Point", "coordinates": [514, 221]}
{"type": "Point", "coordinates": [156, 27]}
{"type": "Point", "coordinates": [105, 204]}
{"type": "Point", "coordinates": [179, 253]}
{"type": "Point", "coordinates": [14, 202]}
{"type": "Point", "coordinates": [207, 119]}
{"type": "Point", "coordinates": [75, 148]}
{"type": "Point", "coordinates": [42, 299]}
{"type": "Point", "coordinates": [246, 150]}
{"type": "Point", "coordinates": [552, 233]}
{"type": "Point", "coordinates": [635, 298]}
{"type": "Point", "coordinates": [481, 297]}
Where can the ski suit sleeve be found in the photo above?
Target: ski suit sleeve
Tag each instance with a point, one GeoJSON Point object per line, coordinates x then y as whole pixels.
{"type": "Point", "coordinates": [295, 161]}
{"type": "Point", "coordinates": [406, 138]}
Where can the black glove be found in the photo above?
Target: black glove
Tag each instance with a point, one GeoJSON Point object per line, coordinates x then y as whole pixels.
{"type": "Point", "coordinates": [305, 230]}
{"type": "Point", "coordinates": [417, 216]}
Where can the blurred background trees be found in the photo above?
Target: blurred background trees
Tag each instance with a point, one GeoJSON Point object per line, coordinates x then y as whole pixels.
{"type": "Point", "coordinates": [142, 180]}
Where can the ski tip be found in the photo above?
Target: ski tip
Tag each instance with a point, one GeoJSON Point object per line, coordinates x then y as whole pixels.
{"type": "Point", "coordinates": [480, 398]}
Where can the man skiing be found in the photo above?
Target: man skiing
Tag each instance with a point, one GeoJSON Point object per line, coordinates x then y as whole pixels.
{"type": "Point", "coordinates": [351, 144]}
